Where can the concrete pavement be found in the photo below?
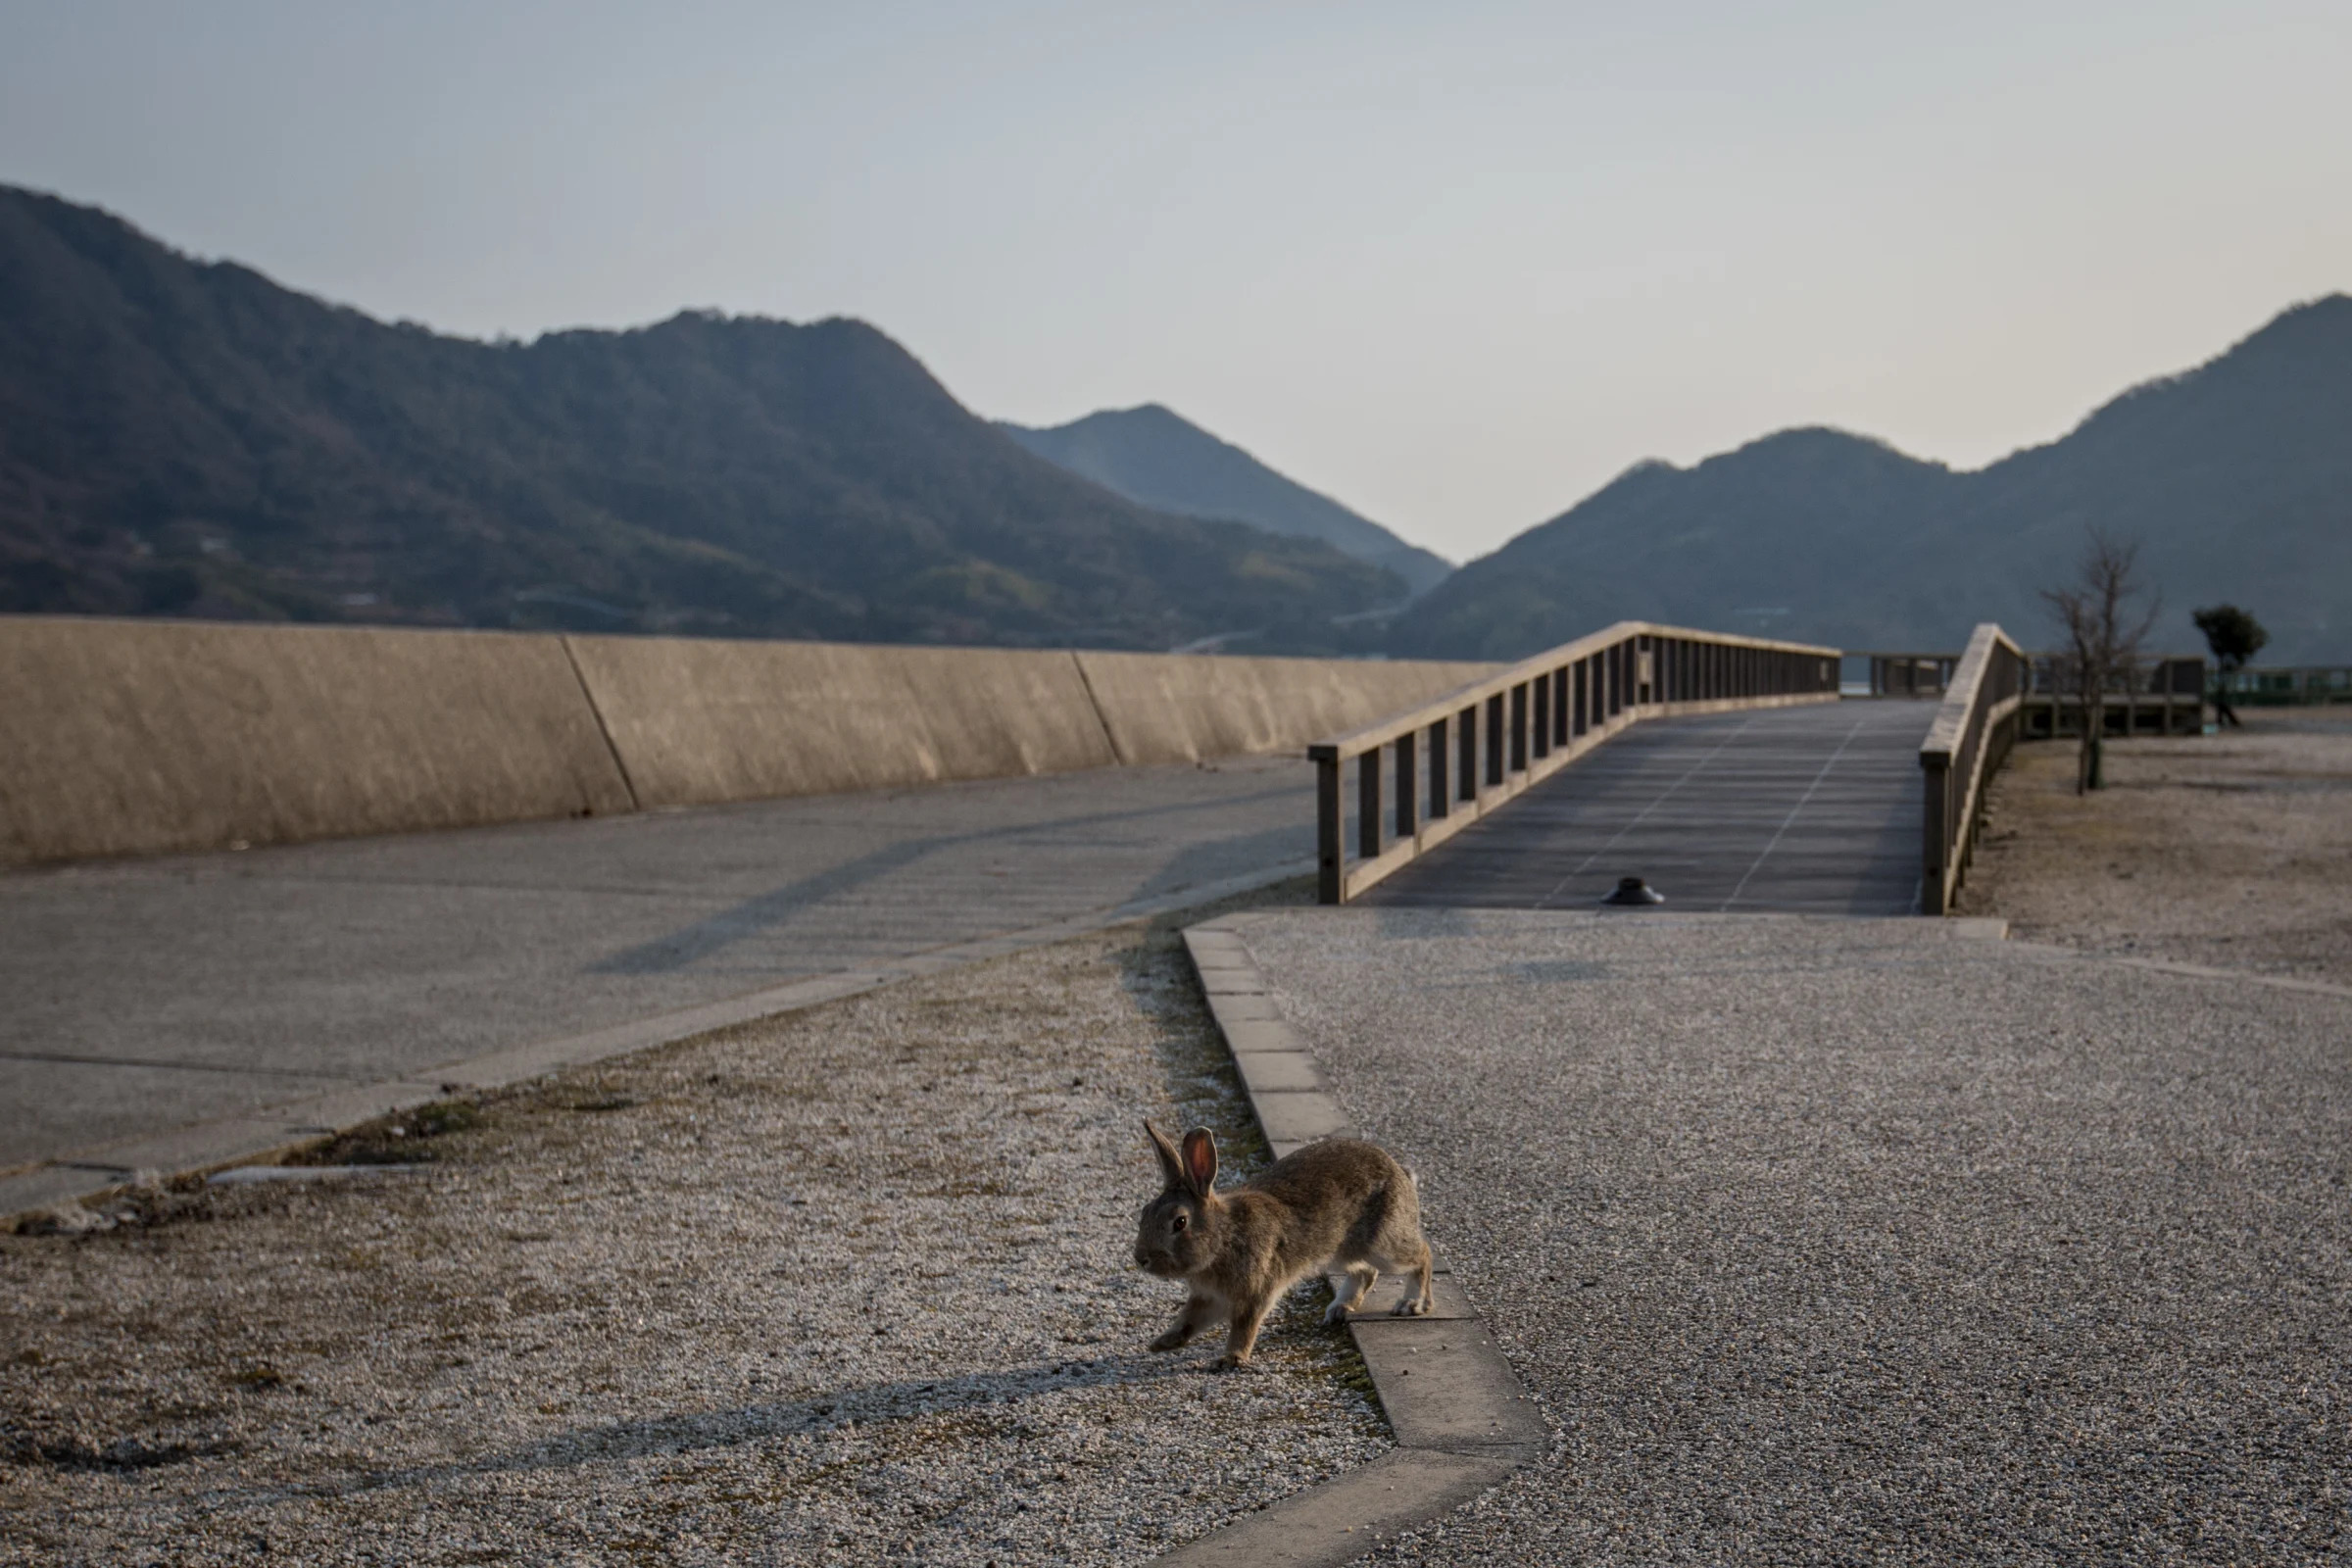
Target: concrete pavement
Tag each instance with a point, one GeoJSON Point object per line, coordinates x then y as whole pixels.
{"type": "Point", "coordinates": [147, 995]}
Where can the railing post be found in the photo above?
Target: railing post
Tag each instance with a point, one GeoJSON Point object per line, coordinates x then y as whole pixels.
{"type": "Point", "coordinates": [1408, 779]}
{"type": "Point", "coordinates": [1331, 827]}
{"type": "Point", "coordinates": [1441, 798]}
{"type": "Point", "coordinates": [1466, 744]}
{"type": "Point", "coordinates": [1935, 823]}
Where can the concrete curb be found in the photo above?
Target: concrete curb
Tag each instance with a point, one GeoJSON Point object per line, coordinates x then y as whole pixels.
{"type": "Point", "coordinates": [1463, 1421]}
{"type": "Point", "coordinates": [268, 1136]}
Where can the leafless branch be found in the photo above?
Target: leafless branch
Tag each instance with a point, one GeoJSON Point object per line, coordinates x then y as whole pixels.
{"type": "Point", "coordinates": [2104, 635]}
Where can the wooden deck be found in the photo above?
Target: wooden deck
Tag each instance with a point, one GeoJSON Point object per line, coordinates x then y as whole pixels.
{"type": "Point", "coordinates": [1810, 810]}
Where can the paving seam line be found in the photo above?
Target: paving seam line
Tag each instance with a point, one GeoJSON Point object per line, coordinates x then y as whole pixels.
{"type": "Point", "coordinates": [271, 1133]}
{"type": "Point", "coordinates": [596, 711]}
{"type": "Point", "coordinates": [2059, 953]}
{"type": "Point", "coordinates": [1463, 1421]}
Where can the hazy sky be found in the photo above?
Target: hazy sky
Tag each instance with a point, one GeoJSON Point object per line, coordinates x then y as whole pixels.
{"type": "Point", "coordinates": [1455, 265]}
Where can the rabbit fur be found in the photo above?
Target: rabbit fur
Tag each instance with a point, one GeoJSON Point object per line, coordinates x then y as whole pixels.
{"type": "Point", "coordinates": [1339, 1201]}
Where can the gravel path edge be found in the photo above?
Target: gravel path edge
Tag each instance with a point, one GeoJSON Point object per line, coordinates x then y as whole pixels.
{"type": "Point", "coordinates": [1464, 1424]}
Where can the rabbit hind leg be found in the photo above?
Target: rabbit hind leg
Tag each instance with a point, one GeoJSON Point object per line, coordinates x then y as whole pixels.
{"type": "Point", "coordinates": [1361, 1277]}
{"type": "Point", "coordinates": [1418, 1266]}
{"type": "Point", "coordinates": [1403, 1251]}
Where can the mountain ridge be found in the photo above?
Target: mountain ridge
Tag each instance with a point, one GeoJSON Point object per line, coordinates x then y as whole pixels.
{"type": "Point", "coordinates": [189, 437]}
{"type": "Point", "coordinates": [1155, 456]}
{"type": "Point", "coordinates": [2234, 474]}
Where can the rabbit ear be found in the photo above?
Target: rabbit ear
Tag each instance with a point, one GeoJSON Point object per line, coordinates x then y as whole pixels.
{"type": "Point", "coordinates": [1200, 1161]}
{"type": "Point", "coordinates": [1171, 1163]}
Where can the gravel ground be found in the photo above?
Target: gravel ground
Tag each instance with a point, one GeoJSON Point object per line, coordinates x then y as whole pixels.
{"type": "Point", "coordinates": [2231, 850]}
{"type": "Point", "coordinates": [849, 1286]}
{"type": "Point", "coordinates": [1857, 1241]}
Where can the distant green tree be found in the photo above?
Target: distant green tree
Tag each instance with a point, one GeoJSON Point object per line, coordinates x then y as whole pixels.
{"type": "Point", "coordinates": [2233, 637]}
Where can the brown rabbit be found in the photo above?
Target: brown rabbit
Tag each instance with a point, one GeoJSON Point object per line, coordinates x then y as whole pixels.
{"type": "Point", "coordinates": [1341, 1200]}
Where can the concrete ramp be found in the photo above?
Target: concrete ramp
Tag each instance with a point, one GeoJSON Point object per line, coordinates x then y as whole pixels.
{"type": "Point", "coordinates": [128, 737]}
{"type": "Point", "coordinates": [699, 721]}
{"type": "Point", "coordinates": [1164, 708]}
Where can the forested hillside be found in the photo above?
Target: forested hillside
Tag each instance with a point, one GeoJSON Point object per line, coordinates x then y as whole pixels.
{"type": "Point", "coordinates": [189, 438]}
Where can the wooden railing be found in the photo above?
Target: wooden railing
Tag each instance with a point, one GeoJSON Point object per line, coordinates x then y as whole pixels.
{"type": "Point", "coordinates": [2159, 696]}
{"type": "Point", "coordinates": [1479, 746]}
{"type": "Point", "coordinates": [1974, 730]}
{"type": "Point", "coordinates": [1910, 674]}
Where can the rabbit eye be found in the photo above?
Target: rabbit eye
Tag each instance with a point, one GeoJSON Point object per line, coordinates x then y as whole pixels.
{"type": "Point", "coordinates": [1180, 1222]}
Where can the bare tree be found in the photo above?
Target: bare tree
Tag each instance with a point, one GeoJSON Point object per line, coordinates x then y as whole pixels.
{"type": "Point", "coordinates": [2103, 632]}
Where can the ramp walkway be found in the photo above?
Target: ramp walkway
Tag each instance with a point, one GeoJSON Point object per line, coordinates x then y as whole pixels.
{"type": "Point", "coordinates": [1812, 810]}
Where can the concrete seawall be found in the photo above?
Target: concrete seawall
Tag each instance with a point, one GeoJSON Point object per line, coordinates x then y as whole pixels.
{"type": "Point", "coordinates": [1161, 708]}
{"type": "Point", "coordinates": [127, 736]}
{"type": "Point", "coordinates": [699, 721]}
{"type": "Point", "coordinates": [132, 737]}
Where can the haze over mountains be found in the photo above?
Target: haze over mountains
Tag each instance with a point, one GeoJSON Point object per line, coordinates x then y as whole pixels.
{"type": "Point", "coordinates": [2235, 478]}
{"type": "Point", "coordinates": [1153, 456]}
{"type": "Point", "coordinates": [186, 438]}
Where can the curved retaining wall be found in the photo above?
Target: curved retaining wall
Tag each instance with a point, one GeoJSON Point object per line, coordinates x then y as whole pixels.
{"type": "Point", "coordinates": [1164, 707]}
{"type": "Point", "coordinates": [696, 722]}
{"type": "Point", "coordinates": [129, 737]}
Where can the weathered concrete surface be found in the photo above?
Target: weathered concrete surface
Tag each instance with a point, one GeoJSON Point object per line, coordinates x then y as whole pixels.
{"type": "Point", "coordinates": [701, 721]}
{"type": "Point", "coordinates": [1811, 810]}
{"type": "Point", "coordinates": [1169, 709]}
{"type": "Point", "coordinates": [127, 736]}
{"type": "Point", "coordinates": [143, 996]}
{"type": "Point", "coordinates": [1831, 1240]}
{"type": "Point", "coordinates": [843, 1288]}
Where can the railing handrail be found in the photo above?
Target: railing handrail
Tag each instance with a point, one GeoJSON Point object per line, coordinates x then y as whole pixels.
{"type": "Point", "coordinates": [1965, 744]}
{"type": "Point", "coordinates": [1381, 732]}
{"type": "Point", "coordinates": [1967, 681]}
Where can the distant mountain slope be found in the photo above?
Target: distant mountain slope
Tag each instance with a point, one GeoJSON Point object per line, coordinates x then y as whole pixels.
{"type": "Point", "coordinates": [2236, 477]}
{"type": "Point", "coordinates": [1162, 460]}
{"type": "Point", "coordinates": [192, 439]}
